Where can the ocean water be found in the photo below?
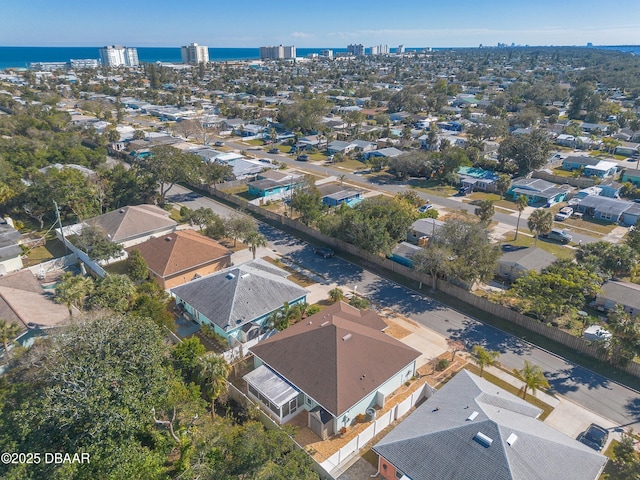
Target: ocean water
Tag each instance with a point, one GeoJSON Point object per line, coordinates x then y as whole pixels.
{"type": "Point", "coordinates": [20, 57]}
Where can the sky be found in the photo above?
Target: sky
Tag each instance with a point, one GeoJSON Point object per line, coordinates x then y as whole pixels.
{"type": "Point", "coordinates": [326, 23]}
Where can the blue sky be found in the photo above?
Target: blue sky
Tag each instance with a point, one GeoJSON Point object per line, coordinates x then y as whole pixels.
{"type": "Point", "coordinates": [326, 23]}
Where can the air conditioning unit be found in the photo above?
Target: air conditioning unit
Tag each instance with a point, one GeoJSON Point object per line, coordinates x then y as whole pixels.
{"type": "Point", "coordinates": [371, 412]}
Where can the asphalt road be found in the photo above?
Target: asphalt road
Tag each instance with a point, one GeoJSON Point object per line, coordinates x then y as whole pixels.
{"type": "Point", "coordinates": [393, 188]}
{"type": "Point", "coordinates": [600, 395]}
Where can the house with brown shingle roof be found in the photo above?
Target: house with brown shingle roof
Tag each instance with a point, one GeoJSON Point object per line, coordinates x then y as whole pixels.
{"type": "Point", "coordinates": [23, 301]}
{"type": "Point", "coordinates": [334, 365]}
{"type": "Point", "coordinates": [133, 224]}
{"type": "Point", "coordinates": [182, 256]}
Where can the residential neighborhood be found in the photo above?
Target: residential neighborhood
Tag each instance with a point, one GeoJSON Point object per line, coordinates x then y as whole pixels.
{"type": "Point", "coordinates": [399, 265]}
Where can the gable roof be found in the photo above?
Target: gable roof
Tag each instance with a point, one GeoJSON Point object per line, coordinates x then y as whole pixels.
{"type": "Point", "coordinates": [337, 356]}
{"type": "Point", "coordinates": [622, 293]}
{"type": "Point", "coordinates": [133, 221]}
{"type": "Point", "coordinates": [531, 258]}
{"type": "Point", "coordinates": [179, 251]}
{"type": "Point", "coordinates": [440, 439]}
{"type": "Point", "coordinates": [23, 301]}
{"type": "Point", "coordinates": [235, 296]}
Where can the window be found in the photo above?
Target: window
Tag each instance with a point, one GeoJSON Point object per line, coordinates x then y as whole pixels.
{"type": "Point", "coordinates": [308, 400]}
{"type": "Point", "coordinates": [606, 216]}
{"type": "Point", "coordinates": [399, 474]}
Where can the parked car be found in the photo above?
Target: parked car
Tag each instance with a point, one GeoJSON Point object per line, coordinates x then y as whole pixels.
{"type": "Point", "coordinates": [563, 214]}
{"type": "Point", "coordinates": [219, 143]}
{"type": "Point", "coordinates": [465, 190]}
{"type": "Point", "coordinates": [274, 150]}
{"type": "Point", "coordinates": [558, 235]}
{"type": "Point", "coordinates": [425, 207]}
{"type": "Point", "coordinates": [595, 437]}
{"type": "Point", "coordinates": [324, 252]}
{"type": "Point", "coordinates": [303, 158]}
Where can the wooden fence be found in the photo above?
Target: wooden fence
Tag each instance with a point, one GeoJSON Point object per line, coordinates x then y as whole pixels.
{"type": "Point", "coordinates": [579, 182]}
{"type": "Point", "coordinates": [553, 333]}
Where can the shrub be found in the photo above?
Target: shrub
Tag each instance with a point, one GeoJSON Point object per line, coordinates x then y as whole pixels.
{"type": "Point", "coordinates": [442, 364]}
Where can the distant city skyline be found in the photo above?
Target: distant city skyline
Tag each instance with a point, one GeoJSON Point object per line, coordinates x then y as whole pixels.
{"type": "Point", "coordinates": [416, 24]}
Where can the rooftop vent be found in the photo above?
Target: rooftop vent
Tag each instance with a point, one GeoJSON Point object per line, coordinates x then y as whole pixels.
{"type": "Point", "coordinates": [346, 337]}
{"type": "Point", "coordinates": [472, 416]}
{"type": "Point", "coordinates": [245, 275]}
{"type": "Point", "coordinates": [121, 211]}
{"type": "Point", "coordinates": [512, 439]}
{"type": "Point", "coordinates": [324, 324]}
{"type": "Point", "coordinates": [230, 276]}
{"type": "Point", "coordinates": [483, 440]}
{"type": "Point", "coordinates": [168, 239]}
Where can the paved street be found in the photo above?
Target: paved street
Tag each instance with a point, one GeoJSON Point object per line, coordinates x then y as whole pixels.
{"type": "Point", "coordinates": [451, 203]}
{"type": "Point", "coordinates": [606, 398]}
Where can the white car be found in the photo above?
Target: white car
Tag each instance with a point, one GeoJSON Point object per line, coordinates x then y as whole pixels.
{"type": "Point", "coordinates": [425, 207]}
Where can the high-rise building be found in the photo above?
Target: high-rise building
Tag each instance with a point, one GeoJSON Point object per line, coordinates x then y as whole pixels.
{"type": "Point", "coordinates": [117, 56]}
{"type": "Point", "coordinates": [278, 52]}
{"type": "Point", "coordinates": [356, 50]}
{"type": "Point", "coordinates": [194, 53]}
{"type": "Point", "coordinates": [327, 54]}
{"type": "Point", "coordinates": [400, 49]}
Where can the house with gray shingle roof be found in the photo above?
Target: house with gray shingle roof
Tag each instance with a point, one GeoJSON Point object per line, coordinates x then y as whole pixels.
{"type": "Point", "coordinates": [472, 430]}
{"type": "Point", "coordinates": [332, 366]}
{"type": "Point", "coordinates": [617, 293]}
{"type": "Point", "coordinates": [236, 302]}
{"type": "Point", "coordinates": [538, 191]}
{"type": "Point", "coordinates": [516, 262]}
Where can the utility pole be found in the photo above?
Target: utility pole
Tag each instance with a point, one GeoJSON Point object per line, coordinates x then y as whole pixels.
{"type": "Point", "coordinates": [66, 249]}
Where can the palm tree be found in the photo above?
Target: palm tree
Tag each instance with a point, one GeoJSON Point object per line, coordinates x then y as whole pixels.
{"type": "Point", "coordinates": [73, 290]}
{"type": "Point", "coordinates": [540, 221]}
{"type": "Point", "coordinates": [213, 373]}
{"type": "Point", "coordinates": [521, 204]}
{"type": "Point", "coordinates": [484, 358]}
{"type": "Point", "coordinates": [336, 294]}
{"type": "Point", "coordinates": [532, 376]}
{"type": "Point", "coordinates": [8, 332]}
{"type": "Point", "coordinates": [255, 240]}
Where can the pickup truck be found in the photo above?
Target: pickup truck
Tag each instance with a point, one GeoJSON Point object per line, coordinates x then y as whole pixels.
{"type": "Point", "coordinates": [563, 214]}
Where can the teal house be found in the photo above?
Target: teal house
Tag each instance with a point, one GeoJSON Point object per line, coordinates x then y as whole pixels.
{"type": "Point", "coordinates": [538, 191]}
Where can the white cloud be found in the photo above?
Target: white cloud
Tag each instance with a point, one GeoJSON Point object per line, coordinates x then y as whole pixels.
{"type": "Point", "coordinates": [301, 35]}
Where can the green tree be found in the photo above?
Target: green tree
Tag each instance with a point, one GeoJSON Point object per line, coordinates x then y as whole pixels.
{"type": "Point", "coordinates": [435, 261]}
{"type": "Point", "coordinates": [214, 173]}
{"type": "Point", "coordinates": [529, 151]}
{"type": "Point", "coordinates": [8, 332]}
{"type": "Point", "coordinates": [115, 292]}
{"type": "Point", "coordinates": [521, 203]}
{"type": "Point", "coordinates": [411, 197]}
{"type": "Point", "coordinates": [474, 256]}
{"type": "Point", "coordinates": [72, 290]}
{"type": "Point", "coordinates": [186, 356]}
{"type": "Point", "coordinates": [503, 183]}
{"type": "Point", "coordinates": [255, 240]}
{"type": "Point", "coordinates": [90, 388]}
{"type": "Point", "coordinates": [94, 243]}
{"type": "Point", "coordinates": [153, 302]}
{"type": "Point", "coordinates": [336, 294]}
{"type": "Point", "coordinates": [626, 463]}
{"type": "Point", "coordinates": [624, 345]}
{"type": "Point", "coordinates": [167, 166]}
{"type": "Point", "coordinates": [359, 302]}
{"type": "Point", "coordinates": [201, 217]}
{"type": "Point", "coordinates": [633, 239]}
{"type": "Point", "coordinates": [540, 221]}
{"type": "Point", "coordinates": [137, 267]}
{"type": "Point", "coordinates": [533, 378]}
{"type": "Point", "coordinates": [213, 372]}
{"type": "Point", "coordinates": [485, 211]}
{"type": "Point", "coordinates": [607, 259]}
{"type": "Point", "coordinates": [484, 358]}
{"type": "Point", "coordinates": [240, 226]}
{"type": "Point", "coordinates": [307, 200]}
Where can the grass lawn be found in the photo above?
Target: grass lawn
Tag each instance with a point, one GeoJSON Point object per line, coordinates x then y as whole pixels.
{"type": "Point", "coordinates": [554, 248]}
{"type": "Point", "coordinates": [236, 190]}
{"type": "Point", "coordinates": [174, 214]}
{"type": "Point", "coordinates": [562, 173]}
{"type": "Point", "coordinates": [589, 226]}
{"type": "Point", "coordinates": [245, 195]}
{"type": "Point", "coordinates": [433, 187]}
{"type": "Point", "coordinates": [53, 249]}
{"type": "Point", "coordinates": [256, 142]}
{"type": "Point", "coordinates": [318, 156]}
{"type": "Point", "coordinates": [351, 164]}
{"type": "Point", "coordinates": [546, 409]}
{"type": "Point", "coordinates": [295, 277]}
